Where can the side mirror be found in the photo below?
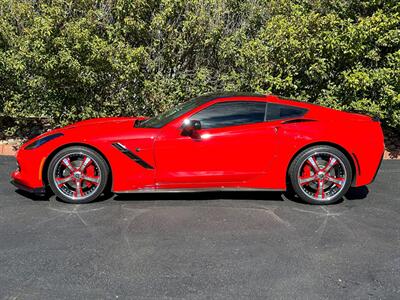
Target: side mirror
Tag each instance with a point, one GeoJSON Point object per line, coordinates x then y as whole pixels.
{"type": "Point", "coordinates": [196, 124]}
{"type": "Point", "coordinates": [190, 127]}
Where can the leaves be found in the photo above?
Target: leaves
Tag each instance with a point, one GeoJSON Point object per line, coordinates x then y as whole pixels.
{"type": "Point", "coordinates": [72, 60]}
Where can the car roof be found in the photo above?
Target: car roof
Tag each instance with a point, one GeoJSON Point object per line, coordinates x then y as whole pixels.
{"type": "Point", "coordinates": [213, 96]}
{"type": "Point", "coordinates": [270, 98]}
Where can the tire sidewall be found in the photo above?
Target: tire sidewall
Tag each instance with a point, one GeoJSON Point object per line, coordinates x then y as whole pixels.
{"type": "Point", "coordinates": [85, 151]}
{"type": "Point", "coordinates": [299, 160]}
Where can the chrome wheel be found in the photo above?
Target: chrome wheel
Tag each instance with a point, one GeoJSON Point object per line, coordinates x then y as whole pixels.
{"type": "Point", "coordinates": [322, 176]}
{"type": "Point", "coordinates": [77, 176]}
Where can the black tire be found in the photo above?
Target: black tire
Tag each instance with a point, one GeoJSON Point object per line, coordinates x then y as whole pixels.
{"type": "Point", "coordinates": [328, 188]}
{"type": "Point", "coordinates": [94, 187]}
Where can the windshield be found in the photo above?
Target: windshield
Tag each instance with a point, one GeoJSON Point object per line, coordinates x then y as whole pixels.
{"type": "Point", "coordinates": [166, 117]}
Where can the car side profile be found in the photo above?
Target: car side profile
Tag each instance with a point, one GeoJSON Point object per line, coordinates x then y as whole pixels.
{"type": "Point", "coordinates": [213, 142]}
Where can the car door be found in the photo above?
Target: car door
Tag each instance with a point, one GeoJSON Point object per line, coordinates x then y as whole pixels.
{"type": "Point", "coordinates": [233, 147]}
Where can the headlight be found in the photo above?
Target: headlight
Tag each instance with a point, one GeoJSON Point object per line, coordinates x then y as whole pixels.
{"type": "Point", "coordinates": [43, 140]}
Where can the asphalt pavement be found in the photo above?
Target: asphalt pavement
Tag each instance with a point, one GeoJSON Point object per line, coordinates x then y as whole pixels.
{"type": "Point", "coordinates": [202, 246]}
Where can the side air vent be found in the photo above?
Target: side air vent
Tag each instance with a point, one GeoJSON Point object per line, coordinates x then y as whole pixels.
{"type": "Point", "coordinates": [131, 155]}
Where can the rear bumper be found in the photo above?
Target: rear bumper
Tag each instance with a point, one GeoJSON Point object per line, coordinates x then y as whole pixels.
{"type": "Point", "coordinates": [377, 169]}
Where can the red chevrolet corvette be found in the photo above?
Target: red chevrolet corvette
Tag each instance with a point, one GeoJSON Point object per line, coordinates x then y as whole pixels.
{"type": "Point", "coordinates": [214, 142]}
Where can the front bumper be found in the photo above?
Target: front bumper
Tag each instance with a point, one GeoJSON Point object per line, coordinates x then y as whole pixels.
{"type": "Point", "coordinates": [18, 182]}
{"type": "Point", "coordinates": [23, 187]}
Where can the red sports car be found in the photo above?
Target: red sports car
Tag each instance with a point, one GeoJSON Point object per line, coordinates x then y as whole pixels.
{"type": "Point", "coordinates": [214, 142]}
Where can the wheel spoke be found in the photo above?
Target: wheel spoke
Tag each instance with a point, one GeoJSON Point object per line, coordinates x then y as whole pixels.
{"type": "Point", "coordinates": [62, 180]}
{"type": "Point", "coordinates": [92, 179]}
{"type": "Point", "coordinates": [320, 190]}
{"type": "Point", "coordinates": [78, 191]}
{"type": "Point", "coordinates": [86, 161]}
{"type": "Point", "coordinates": [306, 180]}
{"type": "Point", "coordinates": [313, 163]}
{"type": "Point", "coordinates": [330, 164]}
{"type": "Point", "coordinates": [66, 161]}
{"type": "Point", "coordinates": [338, 181]}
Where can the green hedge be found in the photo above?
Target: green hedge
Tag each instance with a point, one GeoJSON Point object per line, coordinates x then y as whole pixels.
{"type": "Point", "coordinates": [76, 59]}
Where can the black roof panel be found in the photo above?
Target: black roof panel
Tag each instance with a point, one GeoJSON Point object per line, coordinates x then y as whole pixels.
{"type": "Point", "coordinates": [212, 96]}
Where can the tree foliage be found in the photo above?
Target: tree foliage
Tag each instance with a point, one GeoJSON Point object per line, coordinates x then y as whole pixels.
{"type": "Point", "coordinates": [67, 60]}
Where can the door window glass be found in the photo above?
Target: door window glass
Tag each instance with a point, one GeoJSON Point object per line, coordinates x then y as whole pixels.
{"type": "Point", "coordinates": [231, 113]}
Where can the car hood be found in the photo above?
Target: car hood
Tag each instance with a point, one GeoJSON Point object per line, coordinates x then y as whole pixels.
{"type": "Point", "coordinates": [90, 125]}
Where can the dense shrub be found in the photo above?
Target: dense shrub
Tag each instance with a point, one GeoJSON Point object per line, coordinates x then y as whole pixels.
{"type": "Point", "coordinates": [67, 60]}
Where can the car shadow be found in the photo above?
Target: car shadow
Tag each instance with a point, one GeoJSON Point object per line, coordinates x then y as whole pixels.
{"type": "Point", "coordinates": [357, 193]}
{"type": "Point", "coordinates": [33, 197]}
{"type": "Point", "coordinates": [195, 196]}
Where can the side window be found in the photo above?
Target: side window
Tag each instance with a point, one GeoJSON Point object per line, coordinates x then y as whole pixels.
{"type": "Point", "coordinates": [231, 113]}
{"type": "Point", "coordinates": [278, 111]}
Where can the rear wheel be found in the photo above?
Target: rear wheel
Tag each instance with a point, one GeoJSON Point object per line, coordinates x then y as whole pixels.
{"type": "Point", "coordinates": [320, 175]}
{"type": "Point", "coordinates": [77, 175]}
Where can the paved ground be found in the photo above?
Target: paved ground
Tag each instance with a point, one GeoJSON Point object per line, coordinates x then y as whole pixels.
{"type": "Point", "coordinates": [214, 245]}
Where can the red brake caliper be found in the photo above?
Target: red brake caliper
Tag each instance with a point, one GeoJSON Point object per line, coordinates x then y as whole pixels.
{"type": "Point", "coordinates": [89, 171]}
{"type": "Point", "coordinates": [306, 174]}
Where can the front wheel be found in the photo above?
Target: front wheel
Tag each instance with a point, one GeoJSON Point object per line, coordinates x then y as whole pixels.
{"type": "Point", "coordinates": [77, 175]}
{"type": "Point", "coordinates": [320, 175]}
